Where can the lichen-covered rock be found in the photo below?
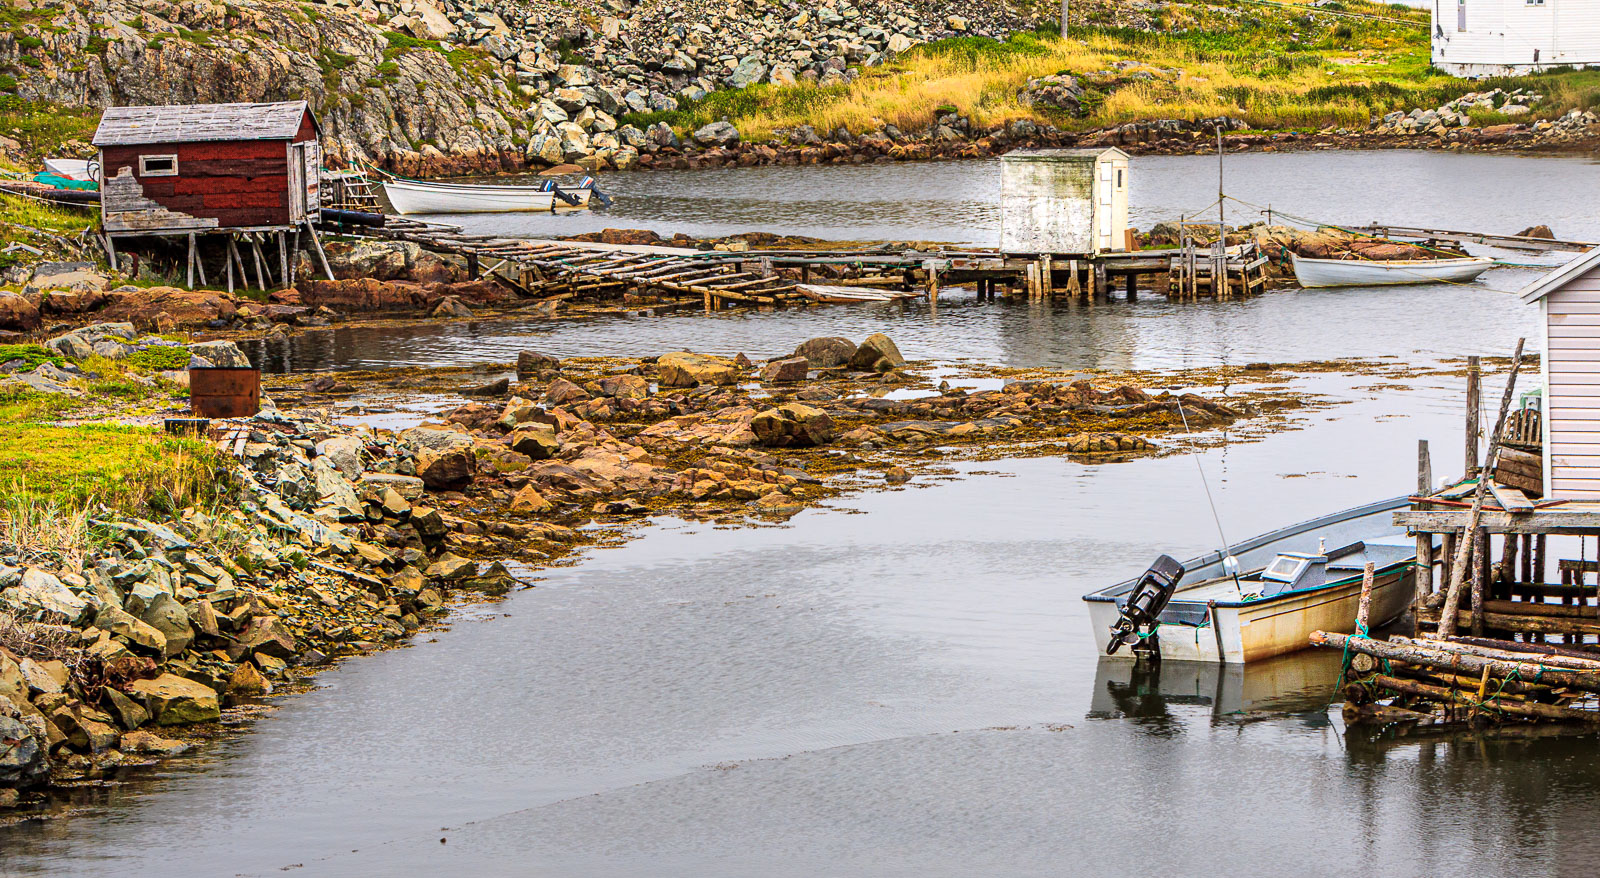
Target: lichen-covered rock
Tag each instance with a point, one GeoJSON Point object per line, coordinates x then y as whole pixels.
{"type": "Point", "coordinates": [787, 370]}
{"type": "Point", "coordinates": [173, 700]}
{"type": "Point", "coordinates": [877, 352]}
{"type": "Point", "coordinates": [448, 468]}
{"type": "Point", "coordinates": [792, 425]}
{"type": "Point", "coordinates": [22, 756]}
{"type": "Point", "coordinates": [685, 369]}
{"type": "Point", "coordinates": [826, 353]}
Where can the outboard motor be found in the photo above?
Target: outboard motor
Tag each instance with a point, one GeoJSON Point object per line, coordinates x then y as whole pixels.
{"type": "Point", "coordinates": [1145, 603]}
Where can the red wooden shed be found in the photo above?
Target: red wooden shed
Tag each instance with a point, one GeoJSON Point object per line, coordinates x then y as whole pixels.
{"type": "Point", "coordinates": [208, 168]}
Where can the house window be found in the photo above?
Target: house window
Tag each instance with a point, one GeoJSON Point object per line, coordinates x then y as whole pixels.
{"type": "Point", "coordinates": [1119, 178]}
{"type": "Point", "coordinates": [158, 166]}
{"type": "Point", "coordinates": [1534, 2]}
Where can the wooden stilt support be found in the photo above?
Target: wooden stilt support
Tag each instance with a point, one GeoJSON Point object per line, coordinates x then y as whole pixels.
{"type": "Point", "coordinates": [238, 261]}
{"type": "Point", "coordinates": [283, 258]}
{"type": "Point", "coordinates": [227, 260]}
{"type": "Point", "coordinates": [932, 269]}
{"type": "Point", "coordinates": [1074, 288]}
{"type": "Point", "coordinates": [1047, 283]}
{"type": "Point", "coordinates": [316, 242]}
{"type": "Point", "coordinates": [260, 260]}
{"type": "Point", "coordinates": [189, 274]}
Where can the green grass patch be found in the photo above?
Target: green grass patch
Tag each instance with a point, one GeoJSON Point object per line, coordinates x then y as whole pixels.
{"type": "Point", "coordinates": [156, 359]}
{"type": "Point", "coordinates": [125, 468]}
{"type": "Point", "coordinates": [31, 355]}
{"type": "Point", "coordinates": [29, 43]}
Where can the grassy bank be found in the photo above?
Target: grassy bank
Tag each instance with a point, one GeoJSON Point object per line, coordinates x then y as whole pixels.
{"type": "Point", "coordinates": [54, 471]}
{"type": "Point", "coordinates": [1278, 67]}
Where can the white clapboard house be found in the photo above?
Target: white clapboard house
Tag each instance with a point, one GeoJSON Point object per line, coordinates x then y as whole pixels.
{"type": "Point", "coordinates": [1569, 303]}
{"type": "Point", "coordinates": [1498, 37]}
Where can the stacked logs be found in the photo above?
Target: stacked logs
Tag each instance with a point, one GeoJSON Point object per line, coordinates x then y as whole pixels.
{"type": "Point", "coordinates": [1465, 679]}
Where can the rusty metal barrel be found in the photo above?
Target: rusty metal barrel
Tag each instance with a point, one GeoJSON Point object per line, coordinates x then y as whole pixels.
{"type": "Point", "coordinates": [225, 392]}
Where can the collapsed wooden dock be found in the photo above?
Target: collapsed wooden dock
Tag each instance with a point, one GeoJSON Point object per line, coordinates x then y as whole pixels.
{"type": "Point", "coordinates": [556, 270]}
{"type": "Point", "coordinates": [1494, 639]}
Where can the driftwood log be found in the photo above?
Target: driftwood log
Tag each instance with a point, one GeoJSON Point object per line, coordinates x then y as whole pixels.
{"type": "Point", "coordinates": [1523, 709]}
{"type": "Point", "coordinates": [1456, 663]}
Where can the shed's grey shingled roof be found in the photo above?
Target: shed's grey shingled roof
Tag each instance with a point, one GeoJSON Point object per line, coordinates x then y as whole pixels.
{"type": "Point", "coordinates": [133, 126]}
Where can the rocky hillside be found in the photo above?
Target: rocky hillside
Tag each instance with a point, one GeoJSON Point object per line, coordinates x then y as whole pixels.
{"type": "Point", "coordinates": [464, 84]}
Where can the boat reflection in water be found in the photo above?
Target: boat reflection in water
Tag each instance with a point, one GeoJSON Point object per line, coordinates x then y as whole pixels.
{"type": "Point", "coordinates": [1299, 683]}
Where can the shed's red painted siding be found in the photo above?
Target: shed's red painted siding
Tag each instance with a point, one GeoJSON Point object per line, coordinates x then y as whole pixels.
{"type": "Point", "coordinates": [236, 183]}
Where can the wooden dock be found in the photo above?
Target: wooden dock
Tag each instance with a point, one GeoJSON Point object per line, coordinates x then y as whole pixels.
{"type": "Point", "coordinates": [553, 270]}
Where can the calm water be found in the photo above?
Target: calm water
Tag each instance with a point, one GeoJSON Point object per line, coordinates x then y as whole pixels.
{"type": "Point", "coordinates": [955, 201]}
{"type": "Point", "coordinates": [912, 691]}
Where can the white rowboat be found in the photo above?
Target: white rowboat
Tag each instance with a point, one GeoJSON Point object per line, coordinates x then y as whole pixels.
{"type": "Point", "coordinates": [1300, 579]}
{"type": "Point", "coordinates": [1362, 273]}
{"type": "Point", "coordinates": [73, 169]}
{"type": "Point", "coordinates": [409, 197]}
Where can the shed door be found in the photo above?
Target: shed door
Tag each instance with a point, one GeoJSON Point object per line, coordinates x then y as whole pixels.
{"type": "Point", "coordinates": [304, 160]}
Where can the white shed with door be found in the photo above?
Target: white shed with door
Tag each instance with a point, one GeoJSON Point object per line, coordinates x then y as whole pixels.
{"type": "Point", "coordinates": [1569, 305]}
{"type": "Point", "coordinates": [1064, 201]}
{"type": "Point", "coordinates": [1503, 37]}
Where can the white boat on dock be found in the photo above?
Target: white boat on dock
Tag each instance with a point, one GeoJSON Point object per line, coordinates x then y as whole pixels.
{"type": "Point", "coordinates": [1368, 273]}
{"type": "Point", "coordinates": [1303, 578]}
{"type": "Point", "coordinates": [420, 197]}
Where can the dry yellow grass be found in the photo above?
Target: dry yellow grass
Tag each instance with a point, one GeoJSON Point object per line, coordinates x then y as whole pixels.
{"type": "Point", "coordinates": [1277, 68]}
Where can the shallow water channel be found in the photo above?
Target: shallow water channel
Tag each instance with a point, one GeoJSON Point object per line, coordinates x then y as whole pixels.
{"type": "Point", "coordinates": [909, 691]}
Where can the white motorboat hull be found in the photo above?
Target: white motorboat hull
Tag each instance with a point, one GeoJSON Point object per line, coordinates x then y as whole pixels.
{"type": "Point", "coordinates": [1239, 631]}
{"type": "Point", "coordinates": [1271, 626]}
{"type": "Point", "coordinates": [451, 198]}
{"type": "Point", "coordinates": [1360, 273]}
{"type": "Point", "coordinates": [81, 170]}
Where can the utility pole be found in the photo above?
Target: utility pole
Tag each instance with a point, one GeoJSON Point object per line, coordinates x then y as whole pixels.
{"type": "Point", "coordinates": [1064, 5]}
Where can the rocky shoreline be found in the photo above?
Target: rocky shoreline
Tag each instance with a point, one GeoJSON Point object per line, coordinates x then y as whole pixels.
{"type": "Point", "coordinates": [327, 538]}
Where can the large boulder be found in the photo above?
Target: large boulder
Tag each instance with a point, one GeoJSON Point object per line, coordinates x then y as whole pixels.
{"type": "Point", "coordinates": [40, 591]}
{"type": "Point", "coordinates": [130, 629]}
{"type": "Point", "coordinates": [684, 369]}
{"type": "Point", "coordinates": [173, 700]}
{"type": "Point", "coordinates": [717, 134]}
{"type": "Point", "coordinates": [826, 353]}
{"type": "Point", "coordinates": [17, 314]}
{"type": "Point", "coordinates": [169, 617]}
{"type": "Point", "coordinates": [625, 387]}
{"type": "Point", "coordinates": [22, 755]}
{"type": "Point", "coordinates": [537, 441]}
{"type": "Point", "coordinates": [792, 425]}
{"type": "Point", "coordinates": [781, 371]}
{"type": "Point", "coordinates": [164, 308]}
{"type": "Point", "coordinates": [531, 363]}
{"type": "Point", "coordinates": [877, 352]}
{"type": "Point", "coordinates": [448, 468]}
{"type": "Point", "coordinates": [217, 354]}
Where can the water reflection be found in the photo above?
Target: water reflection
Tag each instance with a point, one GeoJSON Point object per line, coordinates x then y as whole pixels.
{"type": "Point", "coordinates": [1301, 682]}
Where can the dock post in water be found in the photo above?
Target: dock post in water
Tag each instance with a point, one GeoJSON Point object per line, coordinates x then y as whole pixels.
{"type": "Point", "coordinates": [1424, 575]}
{"type": "Point", "coordinates": [1458, 569]}
{"type": "Point", "coordinates": [1474, 390]}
